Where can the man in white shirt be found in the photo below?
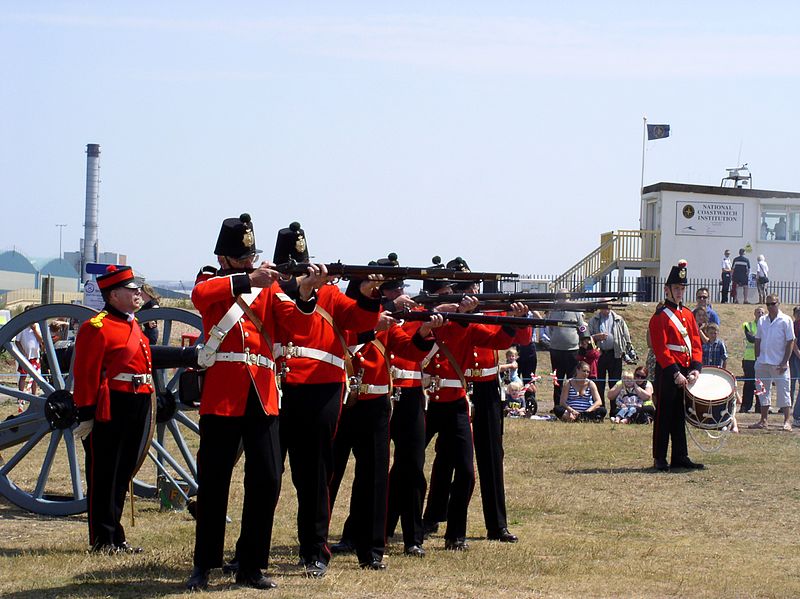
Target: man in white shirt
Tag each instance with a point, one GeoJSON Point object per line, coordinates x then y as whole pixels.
{"type": "Point", "coordinates": [29, 342]}
{"type": "Point", "coordinates": [726, 275]}
{"type": "Point", "coordinates": [773, 347]}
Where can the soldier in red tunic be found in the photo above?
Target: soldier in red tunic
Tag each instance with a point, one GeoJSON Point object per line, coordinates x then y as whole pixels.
{"type": "Point", "coordinates": [364, 429]}
{"type": "Point", "coordinates": [679, 359]}
{"type": "Point", "coordinates": [242, 314]}
{"type": "Point", "coordinates": [113, 383]}
{"type": "Point", "coordinates": [313, 365]}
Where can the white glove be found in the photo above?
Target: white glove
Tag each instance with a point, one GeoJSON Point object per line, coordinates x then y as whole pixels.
{"type": "Point", "coordinates": [83, 429]}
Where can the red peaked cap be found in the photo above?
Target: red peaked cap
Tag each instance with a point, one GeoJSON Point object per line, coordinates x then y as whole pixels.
{"type": "Point", "coordinates": [117, 276]}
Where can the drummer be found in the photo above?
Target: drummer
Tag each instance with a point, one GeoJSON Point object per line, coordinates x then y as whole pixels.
{"type": "Point", "coordinates": [679, 359]}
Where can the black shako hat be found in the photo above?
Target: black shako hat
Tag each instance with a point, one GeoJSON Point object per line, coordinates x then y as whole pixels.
{"type": "Point", "coordinates": [458, 263]}
{"type": "Point", "coordinates": [390, 260]}
{"type": "Point", "coordinates": [434, 285]}
{"type": "Point", "coordinates": [291, 245]}
{"type": "Point", "coordinates": [236, 238]}
{"type": "Point", "coordinates": [677, 275]}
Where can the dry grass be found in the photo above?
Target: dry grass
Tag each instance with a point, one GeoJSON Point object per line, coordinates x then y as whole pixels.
{"type": "Point", "coordinates": [593, 520]}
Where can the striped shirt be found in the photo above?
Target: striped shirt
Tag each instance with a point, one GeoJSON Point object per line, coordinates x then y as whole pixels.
{"type": "Point", "coordinates": [580, 403]}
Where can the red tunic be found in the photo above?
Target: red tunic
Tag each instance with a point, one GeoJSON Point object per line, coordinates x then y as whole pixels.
{"type": "Point", "coordinates": [348, 314]}
{"type": "Point", "coordinates": [663, 332]}
{"type": "Point", "coordinates": [108, 345]}
{"type": "Point", "coordinates": [461, 341]}
{"type": "Point", "coordinates": [396, 341]}
{"type": "Point", "coordinates": [227, 384]}
{"type": "Point", "coordinates": [402, 366]}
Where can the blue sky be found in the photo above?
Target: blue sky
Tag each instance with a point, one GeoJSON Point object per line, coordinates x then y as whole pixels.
{"type": "Point", "coordinates": [509, 133]}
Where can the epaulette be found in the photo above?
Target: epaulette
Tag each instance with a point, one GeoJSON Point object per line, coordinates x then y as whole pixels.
{"type": "Point", "coordinates": [97, 321]}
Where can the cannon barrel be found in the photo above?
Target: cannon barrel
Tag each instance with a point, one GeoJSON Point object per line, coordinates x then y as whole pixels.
{"type": "Point", "coordinates": [165, 356]}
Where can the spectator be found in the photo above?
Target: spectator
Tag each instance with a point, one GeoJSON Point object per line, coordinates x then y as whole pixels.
{"type": "Point", "coordinates": [610, 332]}
{"type": "Point", "coordinates": [794, 364]}
{"type": "Point", "coordinates": [150, 328]}
{"type": "Point", "coordinates": [702, 297]}
{"type": "Point", "coordinates": [509, 372]}
{"type": "Point", "coordinates": [714, 351]}
{"type": "Point", "coordinates": [780, 229]}
{"type": "Point", "coordinates": [650, 362]}
{"type": "Point", "coordinates": [741, 275]}
{"type": "Point", "coordinates": [726, 275]}
{"type": "Point", "coordinates": [749, 361]}
{"type": "Point", "coordinates": [563, 341]}
{"type": "Point", "coordinates": [515, 400]}
{"type": "Point", "coordinates": [647, 412]}
{"type": "Point", "coordinates": [626, 395]}
{"type": "Point", "coordinates": [587, 352]}
{"type": "Point", "coordinates": [762, 278]}
{"type": "Point", "coordinates": [29, 342]}
{"type": "Point", "coordinates": [774, 344]}
{"type": "Point", "coordinates": [701, 317]}
{"type": "Point", "coordinates": [765, 230]}
{"type": "Point", "coordinates": [579, 398]}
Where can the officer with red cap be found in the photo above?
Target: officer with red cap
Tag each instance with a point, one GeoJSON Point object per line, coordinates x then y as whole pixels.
{"type": "Point", "coordinates": [679, 359]}
{"type": "Point", "coordinates": [113, 383]}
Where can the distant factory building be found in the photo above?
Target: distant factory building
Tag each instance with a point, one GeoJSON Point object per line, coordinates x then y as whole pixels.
{"type": "Point", "coordinates": [17, 272]}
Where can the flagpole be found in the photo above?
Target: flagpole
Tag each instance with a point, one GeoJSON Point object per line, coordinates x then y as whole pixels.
{"type": "Point", "coordinates": [644, 137]}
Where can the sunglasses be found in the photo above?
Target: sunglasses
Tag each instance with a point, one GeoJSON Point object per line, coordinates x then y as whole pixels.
{"type": "Point", "coordinates": [771, 303]}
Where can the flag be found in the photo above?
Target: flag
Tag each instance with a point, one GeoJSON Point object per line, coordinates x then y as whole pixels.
{"type": "Point", "coordinates": [657, 131]}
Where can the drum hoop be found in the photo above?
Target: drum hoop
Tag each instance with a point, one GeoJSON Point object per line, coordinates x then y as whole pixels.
{"type": "Point", "coordinates": [727, 375]}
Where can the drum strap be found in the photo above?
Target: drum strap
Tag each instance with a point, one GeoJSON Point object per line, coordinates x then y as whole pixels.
{"type": "Point", "coordinates": [681, 329]}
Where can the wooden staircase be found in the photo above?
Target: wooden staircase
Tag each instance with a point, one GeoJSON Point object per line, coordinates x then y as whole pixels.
{"type": "Point", "coordinates": [633, 249]}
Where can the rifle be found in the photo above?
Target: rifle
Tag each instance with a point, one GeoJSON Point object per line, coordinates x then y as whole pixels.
{"type": "Point", "coordinates": [516, 321]}
{"type": "Point", "coordinates": [575, 306]}
{"type": "Point", "coordinates": [454, 298]}
{"type": "Point", "coordinates": [362, 271]}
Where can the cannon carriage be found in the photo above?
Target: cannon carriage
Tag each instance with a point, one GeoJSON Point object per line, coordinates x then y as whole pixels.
{"type": "Point", "coordinates": [41, 469]}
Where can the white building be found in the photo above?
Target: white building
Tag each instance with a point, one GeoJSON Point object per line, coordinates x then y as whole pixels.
{"type": "Point", "coordinates": [699, 222]}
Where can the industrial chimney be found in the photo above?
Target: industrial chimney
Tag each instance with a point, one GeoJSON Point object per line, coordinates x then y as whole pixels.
{"type": "Point", "coordinates": [91, 251]}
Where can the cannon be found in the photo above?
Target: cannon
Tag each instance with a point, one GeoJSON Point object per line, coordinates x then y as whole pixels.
{"type": "Point", "coordinates": [41, 468]}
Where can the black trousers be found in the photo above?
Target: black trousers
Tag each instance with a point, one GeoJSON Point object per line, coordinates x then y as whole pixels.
{"type": "Point", "coordinates": [364, 430]}
{"type": "Point", "coordinates": [221, 438]}
{"type": "Point", "coordinates": [670, 417]}
{"type": "Point", "coordinates": [610, 367]}
{"type": "Point", "coordinates": [564, 363]}
{"type": "Point", "coordinates": [749, 390]}
{"type": "Point", "coordinates": [487, 433]}
{"type": "Point", "coordinates": [112, 449]}
{"type": "Point", "coordinates": [309, 417]}
{"type": "Point", "coordinates": [726, 286]}
{"type": "Point", "coordinates": [441, 480]}
{"type": "Point", "coordinates": [450, 421]}
{"type": "Point", "coordinates": [407, 484]}
{"type": "Point", "coordinates": [527, 362]}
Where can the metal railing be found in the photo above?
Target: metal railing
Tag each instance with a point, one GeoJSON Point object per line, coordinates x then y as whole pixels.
{"type": "Point", "coordinates": [629, 246]}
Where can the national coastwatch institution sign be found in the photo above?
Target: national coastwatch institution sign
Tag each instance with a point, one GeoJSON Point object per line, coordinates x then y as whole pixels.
{"type": "Point", "coordinates": [714, 219]}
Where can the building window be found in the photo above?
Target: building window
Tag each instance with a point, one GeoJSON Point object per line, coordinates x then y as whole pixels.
{"type": "Point", "coordinates": [780, 223]}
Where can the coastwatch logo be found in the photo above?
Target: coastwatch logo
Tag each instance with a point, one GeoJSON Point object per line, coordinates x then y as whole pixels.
{"type": "Point", "coordinates": [688, 211]}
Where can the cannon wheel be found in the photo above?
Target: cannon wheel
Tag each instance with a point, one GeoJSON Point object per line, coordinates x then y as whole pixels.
{"type": "Point", "coordinates": [170, 455]}
{"type": "Point", "coordinates": [26, 440]}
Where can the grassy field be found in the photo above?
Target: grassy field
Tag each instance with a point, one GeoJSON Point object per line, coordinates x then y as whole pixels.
{"type": "Point", "coordinates": [593, 519]}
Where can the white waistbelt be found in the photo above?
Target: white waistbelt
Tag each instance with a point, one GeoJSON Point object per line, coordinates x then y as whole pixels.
{"type": "Point", "coordinates": [442, 383]}
{"type": "Point", "coordinates": [247, 358]}
{"type": "Point", "coordinates": [139, 379]}
{"type": "Point", "coordinates": [679, 348]}
{"type": "Point", "coordinates": [481, 372]}
{"type": "Point", "coordinates": [292, 351]}
{"type": "Point", "coordinates": [373, 389]}
{"type": "Point", "coordinates": [399, 373]}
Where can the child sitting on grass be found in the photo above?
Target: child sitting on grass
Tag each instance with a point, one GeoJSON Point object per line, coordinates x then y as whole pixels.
{"type": "Point", "coordinates": [626, 393]}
